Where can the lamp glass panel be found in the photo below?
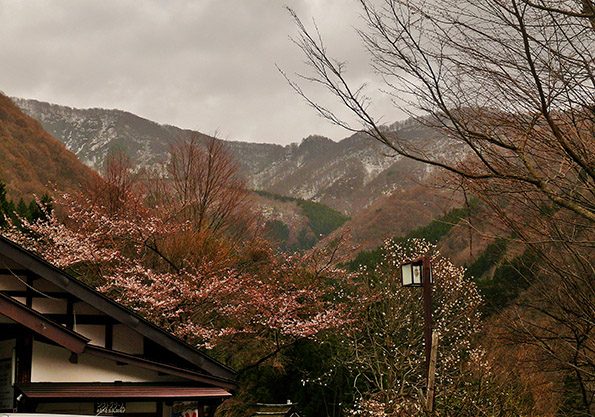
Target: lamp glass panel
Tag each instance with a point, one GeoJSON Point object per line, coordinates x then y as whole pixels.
{"type": "Point", "coordinates": [417, 275]}
{"type": "Point", "coordinates": [406, 275]}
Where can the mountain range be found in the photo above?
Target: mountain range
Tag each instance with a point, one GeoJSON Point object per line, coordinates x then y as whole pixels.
{"type": "Point", "coordinates": [375, 195]}
{"type": "Point", "coordinates": [383, 194]}
{"type": "Point", "coordinates": [348, 175]}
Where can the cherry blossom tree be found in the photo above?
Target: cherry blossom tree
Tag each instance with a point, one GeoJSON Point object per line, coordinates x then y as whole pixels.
{"type": "Point", "coordinates": [182, 251]}
{"type": "Point", "coordinates": [116, 183]}
{"type": "Point", "coordinates": [255, 300]}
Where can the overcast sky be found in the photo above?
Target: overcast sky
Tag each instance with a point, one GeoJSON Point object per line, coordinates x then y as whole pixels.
{"type": "Point", "coordinates": [208, 65]}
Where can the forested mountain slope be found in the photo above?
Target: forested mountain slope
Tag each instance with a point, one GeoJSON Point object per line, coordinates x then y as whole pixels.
{"type": "Point", "coordinates": [32, 158]}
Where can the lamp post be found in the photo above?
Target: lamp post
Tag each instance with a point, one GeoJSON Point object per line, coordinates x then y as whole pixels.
{"type": "Point", "coordinates": [418, 273]}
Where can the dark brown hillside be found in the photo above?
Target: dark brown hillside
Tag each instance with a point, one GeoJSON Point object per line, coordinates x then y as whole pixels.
{"type": "Point", "coordinates": [32, 158]}
{"type": "Point", "coordinates": [396, 215]}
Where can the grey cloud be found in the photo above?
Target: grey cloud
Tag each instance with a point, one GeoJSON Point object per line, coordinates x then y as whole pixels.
{"type": "Point", "coordinates": [206, 65]}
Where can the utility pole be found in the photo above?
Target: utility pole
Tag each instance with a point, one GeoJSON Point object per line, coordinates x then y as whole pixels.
{"type": "Point", "coordinates": [432, 373]}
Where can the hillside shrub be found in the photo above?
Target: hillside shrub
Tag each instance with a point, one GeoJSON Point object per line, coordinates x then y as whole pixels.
{"type": "Point", "coordinates": [487, 259]}
{"type": "Point", "coordinates": [322, 221]}
{"type": "Point", "coordinates": [509, 280]}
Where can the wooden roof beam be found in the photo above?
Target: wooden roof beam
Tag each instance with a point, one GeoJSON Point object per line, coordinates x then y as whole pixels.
{"type": "Point", "coordinates": [41, 325]}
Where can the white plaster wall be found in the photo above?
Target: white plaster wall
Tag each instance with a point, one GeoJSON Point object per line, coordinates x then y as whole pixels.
{"type": "Point", "coordinates": [89, 408]}
{"type": "Point", "coordinates": [21, 300]}
{"type": "Point", "coordinates": [9, 282]}
{"type": "Point", "coordinates": [50, 364]}
{"type": "Point", "coordinates": [141, 407]}
{"type": "Point", "coordinates": [127, 340]}
{"type": "Point", "coordinates": [67, 408]}
{"type": "Point", "coordinates": [49, 306]}
{"type": "Point", "coordinates": [91, 331]}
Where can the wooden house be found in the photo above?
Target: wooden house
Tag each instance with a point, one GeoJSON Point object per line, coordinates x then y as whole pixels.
{"type": "Point", "coordinates": [66, 348]}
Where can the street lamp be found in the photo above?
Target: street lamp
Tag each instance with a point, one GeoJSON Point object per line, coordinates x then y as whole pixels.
{"type": "Point", "coordinates": [412, 272]}
{"type": "Point", "coordinates": [418, 273]}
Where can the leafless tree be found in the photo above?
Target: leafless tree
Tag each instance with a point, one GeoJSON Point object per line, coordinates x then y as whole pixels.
{"type": "Point", "coordinates": [204, 185]}
{"type": "Point", "coordinates": [513, 83]}
{"type": "Point", "coordinates": [119, 179]}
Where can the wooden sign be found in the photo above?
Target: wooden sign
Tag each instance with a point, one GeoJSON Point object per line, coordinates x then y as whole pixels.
{"type": "Point", "coordinates": [110, 407]}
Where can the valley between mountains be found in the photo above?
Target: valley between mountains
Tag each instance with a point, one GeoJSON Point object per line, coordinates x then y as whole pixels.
{"type": "Point", "coordinates": [382, 194]}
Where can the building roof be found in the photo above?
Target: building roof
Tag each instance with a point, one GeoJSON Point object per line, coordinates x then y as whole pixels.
{"type": "Point", "coordinates": [277, 410]}
{"type": "Point", "coordinates": [31, 262]}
